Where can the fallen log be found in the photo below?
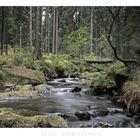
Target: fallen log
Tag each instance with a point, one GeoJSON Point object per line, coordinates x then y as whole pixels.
{"type": "Point", "coordinates": [100, 61]}
{"type": "Point", "coordinates": [23, 72]}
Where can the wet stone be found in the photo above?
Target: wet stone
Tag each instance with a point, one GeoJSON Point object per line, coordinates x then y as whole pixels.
{"type": "Point", "coordinates": [99, 113]}
{"type": "Point", "coordinates": [62, 80]}
{"type": "Point", "coordinates": [82, 115]}
{"type": "Point", "coordinates": [115, 111]}
{"type": "Point", "coordinates": [103, 125]}
{"type": "Point", "coordinates": [76, 89]}
{"type": "Point", "coordinates": [68, 117]}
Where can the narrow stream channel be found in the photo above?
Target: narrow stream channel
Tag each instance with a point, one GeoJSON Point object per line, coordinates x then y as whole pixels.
{"type": "Point", "coordinates": [76, 105]}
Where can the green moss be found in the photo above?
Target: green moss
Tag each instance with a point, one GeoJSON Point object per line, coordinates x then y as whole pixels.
{"type": "Point", "coordinates": [20, 71]}
{"type": "Point", "coordinates": [41, 88]}
{"type": "Point", "coordinates": [24, 87]}
{"type": "Point", "coordinates": [25, 93]}
{"type": "Point", "coordinates": [9, 118]}
{"type": "Point", "coordinates": [103, 81]}
{"type": "Point", "coordinates": [25, 112]}
{"type": "Point", "coordinates": [117, 68]}
{"type": "Point", "coordinates": [90, 75]}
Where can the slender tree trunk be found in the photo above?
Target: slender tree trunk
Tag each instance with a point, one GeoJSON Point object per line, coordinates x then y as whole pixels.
{"type": "Point", "coordinates": [20, 40]}
{"type": "Point", "coordinates": [6, 35]}
{"type": "Point", "coordinates": [46, 45]}
{"type": "Point", "coordinates": [41, 30]}
{"type": "Point", "coordinates": [91, 31]}
{"type": "Point", "coordinates": [45, 31]}
{"type": "Point", "coordinates": [48, 34]}
{"type": "Point", "coordinates": [2, 30]}
{"type": "Point", "coordinates": [31, 44]}
{"type": "Point", "coordinates": [116, 34]}
{"type": "Point", "coordinates": [96, 30]}
{"type": "Point", "coordinates": [56, 47]}
{"type": "Point", "coordinates": [54, 25]}
{"type": "Point", "coordinates": [38, 53]}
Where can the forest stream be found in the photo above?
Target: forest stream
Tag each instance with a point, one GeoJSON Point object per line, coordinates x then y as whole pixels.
{"type": "Point", "coordinates": [70, 98]}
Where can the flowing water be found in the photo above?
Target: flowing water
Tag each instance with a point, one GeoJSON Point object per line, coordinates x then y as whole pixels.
{"type": "Point", "coordinates": [78, 107]}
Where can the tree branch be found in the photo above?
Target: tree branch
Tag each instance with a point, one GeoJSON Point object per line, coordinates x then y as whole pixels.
{"type": "Point", "coordinates": [108, 36]}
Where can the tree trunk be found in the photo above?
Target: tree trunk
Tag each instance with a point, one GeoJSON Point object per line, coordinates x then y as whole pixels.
{"type": "Point", "coordinates": [125, 61]}
{"type": "Point", "coordinates": [31, 44]}
{"type": "Point", "coordinates": [48, 34]}
{"type": "Point", "coordinates": [41, 29]}
{"type": "Point", "coordinates": [46, 45]}
{"type": "Point", "coordinates": [54, 27]}
{"type": "Point", "coordinates": [38, 53]}
{"type": "Point", "coordinates": [56, 46]}
{"type": "Point", "coordinates": [6, 35]}
{"type": "Point", "coordinates": [20, 40]}
{"type": "Point", "coordinates": [116, 35]}
{"type": "Point", "coordinates": [2, 30]}
{"type": "Point", "coordinates": [91, 31]}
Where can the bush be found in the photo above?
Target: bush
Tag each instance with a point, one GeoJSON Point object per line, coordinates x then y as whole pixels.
{"type": "Point", "coordinates": [102, 81]}
{"type": "Point", "coordinates": [25, 59]}
{"type": "Point", "coordinates": [117, 68]}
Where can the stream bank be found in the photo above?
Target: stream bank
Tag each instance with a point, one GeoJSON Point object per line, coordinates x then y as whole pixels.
{"type": "Point", "coordinates": [71, 99]}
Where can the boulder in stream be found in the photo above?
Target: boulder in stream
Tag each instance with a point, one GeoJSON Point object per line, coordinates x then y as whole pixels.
{"type": "Point", "coordinates": [10, 119]}
{"type": "Point", "coordinates": [103, 125]}
{"type": "Point", "coordinates": [69, 117]}
{"type": "Point", "coordinates": [42, 88]}
{"type": "Point", "coordinates": [99, 112]}
{"type": "Point", "coordinates": [62, 80]}
{"type": "Point", "coordinates": [76, 89]}
{"type": "Point", "coordinates": [82, 115]}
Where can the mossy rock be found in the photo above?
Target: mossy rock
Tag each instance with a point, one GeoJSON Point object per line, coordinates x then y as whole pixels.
{"type": "Point", "coordinates": [27, 87]}
{"type": "Point", "coordinates": [25, 93]}
{"type": "Point", "coordinates": [8, 118]}
{"type": "Point", "coordinates": [20, 95]}
{"type": "Point", "coordinates": [23, 72]}
{"type": "Point", "coordinates": [42, 88]}
{"type": "Point", "coordinates": [25, 112]}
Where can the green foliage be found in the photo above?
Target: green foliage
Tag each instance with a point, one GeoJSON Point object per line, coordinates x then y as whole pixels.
{"type": "Point", "coordinates": [103, 49]}
{"type": "Point", "coordinates": [25, 59]}
{"type": "Point", "coordinates": [57, 66]}
{"type": "Point", "coordinates": [78, 42]}
{"type": "Point", "coordinates": [103, 81]}
{"type": "Point", "coordinates": [117, 68]}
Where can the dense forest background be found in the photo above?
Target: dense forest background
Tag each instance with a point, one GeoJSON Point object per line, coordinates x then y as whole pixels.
{"type": "Point", "coordinates": [73, 30]}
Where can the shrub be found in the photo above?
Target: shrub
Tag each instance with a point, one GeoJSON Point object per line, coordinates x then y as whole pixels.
{"type": "Point", "coordinates": [102, 81]}
{"type": "Point", "coordinates": [117, 68]}
{"type": "Point", "coordinates": [25, 59]}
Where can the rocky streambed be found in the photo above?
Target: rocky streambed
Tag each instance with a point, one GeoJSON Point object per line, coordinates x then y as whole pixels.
{"type": "Point", "coordinates": [70, 99]}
